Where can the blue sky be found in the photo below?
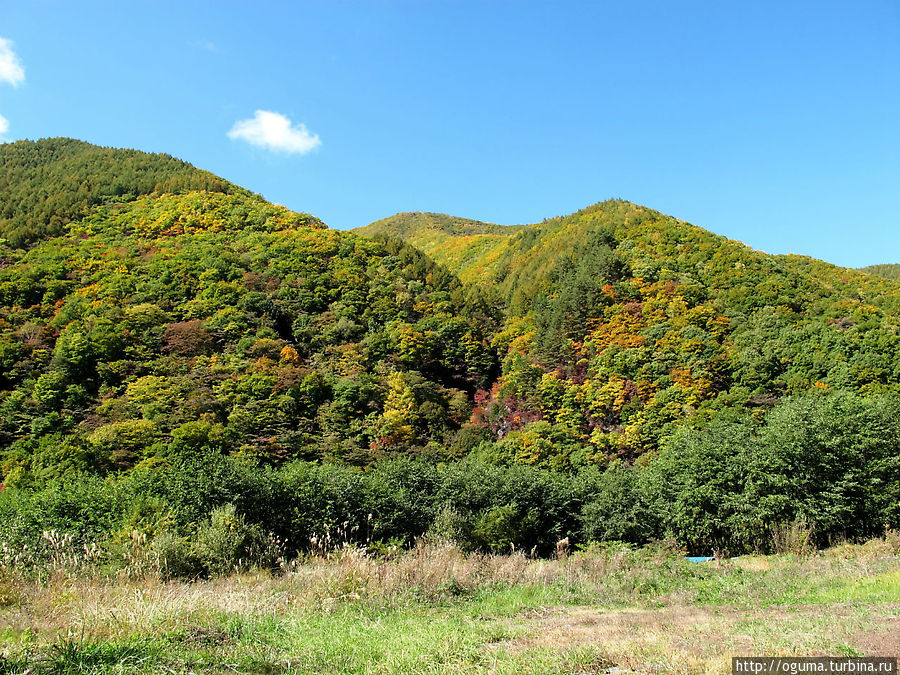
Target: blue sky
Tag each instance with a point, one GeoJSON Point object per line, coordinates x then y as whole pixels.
{"type": "Point", "coordinates": [776, 123]}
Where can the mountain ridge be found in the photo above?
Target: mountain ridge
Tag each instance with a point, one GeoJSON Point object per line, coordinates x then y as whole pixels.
{"type": "Point", "coordinates": [491, 240]}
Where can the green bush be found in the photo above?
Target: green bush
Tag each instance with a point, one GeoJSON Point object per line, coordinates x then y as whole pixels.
{"type": "Point", "coordinates": [616, 508]}
{"type": "Point", "coordinates": [830, 461]}
{"type": "Point", "coordinates": [833, 461]}
{"type": "Point", "coordinates": [227, 543]}
{"type": "Point", "coordinates": [74, 514]}
{"type": "Point", "coordinates": [501, 528]}
{"type": "Point", "coordinates": [695, 488]}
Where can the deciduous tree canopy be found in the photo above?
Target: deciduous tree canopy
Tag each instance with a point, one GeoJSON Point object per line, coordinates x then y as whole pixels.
{"type": "Point", "coordinates": [175, 351]}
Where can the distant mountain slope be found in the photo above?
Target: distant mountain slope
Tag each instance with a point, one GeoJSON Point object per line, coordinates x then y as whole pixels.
{"type": "Point", "coordinates": [888, 271]}
{"type": "Point", "coordinates": [623, 322]}
{"type": "Point", "coordinates": [523, 259]}
{"type": "Point", "coordinates": [469, 247]}
{"type": "Point", "coordinates": [47, 183]}
{"type": "Point", "coordinates": [412, 223]}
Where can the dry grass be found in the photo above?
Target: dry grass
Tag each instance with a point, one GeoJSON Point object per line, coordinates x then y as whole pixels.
{"type": "Point", "coordinates": [693, 639]}
{"type": "Point", "coordinates": [108, 607]}
{"type": "Point", "coordinates": [636, 610]}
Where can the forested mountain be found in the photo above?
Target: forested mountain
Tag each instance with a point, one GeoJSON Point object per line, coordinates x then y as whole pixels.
{"type": "Point", "coordinates": [175, 351]}
{"type": "Point", "coordinates": [465, 246]}
{"type": "Point", "coordinates": [888, 271]}
{"type": "Point", "coordinates": [623, 323]}
{"type": "Point", "coordinates": [215, 318]}
{"type": "Point", "coordinates": [48, 183]}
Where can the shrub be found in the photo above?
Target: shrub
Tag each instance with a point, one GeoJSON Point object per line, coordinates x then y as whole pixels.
{"type": "Point", "coordinates": [64, 520]}
{"type": "Point", "coordinates": [616, 509]}
{"type": "Point", "coordinates": [834, 462]}
{"type": "Point", "coordinates": [501, 528]}
{"type": "Point", "coordinates": [227, 543]}
{"type": "Point", "coordinates": [696, 489]}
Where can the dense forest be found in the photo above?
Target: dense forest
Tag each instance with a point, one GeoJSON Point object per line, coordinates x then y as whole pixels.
{"type": "Point", "coordinates": [888, 271]}
{"type": "Point", "coordinates": [46, 184]}
{"type": "Point", "coordinates": [623, 324]}
{"type": "Point", "coordinates": [181, 360]}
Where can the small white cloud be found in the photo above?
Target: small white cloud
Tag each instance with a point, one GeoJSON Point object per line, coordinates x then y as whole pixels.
{"type": "Point", "coordinates": [273, 131]}
{"type": "Point", "coordinates": [4, 125]}
{"type": "Point", "coordinates": [11, 70]}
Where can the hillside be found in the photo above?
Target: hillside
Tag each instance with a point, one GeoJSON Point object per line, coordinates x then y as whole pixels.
{"type": "Point", "coordinates": [468, 247]}
{"type": "Point", "coordinates": [622, 322]}
{"type": "Point", "coordinates": [215, 319]}
{"type": "Point", "coordinates": [203, 379]}
{"type": "Point", "coordinates": [48, 183]}
{"type": "Point", "coordinates": [522, 258]}
{"type": "Point", "coordinates": [888, 271]}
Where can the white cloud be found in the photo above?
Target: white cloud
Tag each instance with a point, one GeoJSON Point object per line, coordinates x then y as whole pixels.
{"type": "Point", "coordinates": [4, 126]}
{"type": "Point", "coordinates": [11, 69]}
{"type": "Point", "coordinates": [273, 131]}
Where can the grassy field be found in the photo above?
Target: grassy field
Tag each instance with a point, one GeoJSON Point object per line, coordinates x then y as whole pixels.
{"type": "Point", "coordinates": [434, 610]}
